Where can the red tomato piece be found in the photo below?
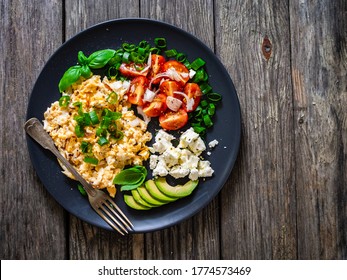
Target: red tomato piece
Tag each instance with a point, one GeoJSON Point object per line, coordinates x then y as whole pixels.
{"type": "Point", "coordinates": [133, 70]}
{"type": "Point", "coordinates": [192, 90]}
{"type": "Point", "coordinates": [156, 107]}
{"type": "Point", "coordinates": [168, 87]}
{"type": "Point", "coordinates": [173, 120]}
{"type": "Point", "coordinates": [137, 90]}
{"type": "Point", "coordinates": [180, 69]}
{"type": "Point", "coordinates": [156, 64]}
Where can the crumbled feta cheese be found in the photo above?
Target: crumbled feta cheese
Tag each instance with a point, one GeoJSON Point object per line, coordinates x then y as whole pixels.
{"type": "Point", "coordinates": [180, 161]}
{"type": "Point", "coordinates": [213, 143]}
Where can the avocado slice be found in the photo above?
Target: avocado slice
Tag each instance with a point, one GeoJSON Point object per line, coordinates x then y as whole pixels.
{"type": "Point", "coordinates": [146, 196]}
{"type": "Point", "coordinates": [139, 199]}
{"type": "Point", "coordinates": [130, 201]}
{"type": "Point", "coordinates": [178, 190]}
{"type": "Point", "coordinates": [153, 190]}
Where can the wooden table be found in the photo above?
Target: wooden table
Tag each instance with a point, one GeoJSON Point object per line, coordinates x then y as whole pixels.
{"type": "Point", "coordinates": [286, 197]}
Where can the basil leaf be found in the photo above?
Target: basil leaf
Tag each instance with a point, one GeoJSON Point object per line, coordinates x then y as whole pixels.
{"type": "Point", "coordinates": [70, 77]}
{"type": "Point", "coordinates": [82, 59]}
{"type": "Point", "coordinates": [131, 187]}
{"type": "Point", "coordinates": [100, 58]}
{"type": "Point", "coordinates": [86, 72]}
{"type": "Point", "coordinates": [128, 177]}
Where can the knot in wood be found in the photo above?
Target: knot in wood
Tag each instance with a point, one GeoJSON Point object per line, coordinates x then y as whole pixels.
{"type": "Point", "coordinates": [266, 48]}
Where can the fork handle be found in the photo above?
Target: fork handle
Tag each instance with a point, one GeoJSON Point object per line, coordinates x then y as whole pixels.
{"type": "Point", "coordinates": [36, 131]}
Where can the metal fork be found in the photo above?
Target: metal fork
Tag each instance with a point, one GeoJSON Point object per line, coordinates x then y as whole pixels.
{"type": "Point", "coordinates": [100, 201]}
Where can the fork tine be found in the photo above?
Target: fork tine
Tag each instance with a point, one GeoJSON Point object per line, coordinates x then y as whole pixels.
{"type": "Point", "coordinates": [120, 217]}
{"type": "Point", "coordinates": [109, 214]}
{"type": "Point", "coordinates": [102, 215]}
{"type": "Point", "coordinates": [130, 225]}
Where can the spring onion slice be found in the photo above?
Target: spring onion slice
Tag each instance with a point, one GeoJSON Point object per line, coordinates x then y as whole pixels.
{"type": "Point", "coordinates": [214, 97]}
{"type": "Point", "coordinates": [102, 141]}
{"type": "Point", "coordinates": [112, 98]}
{"type": "Point", "coordinates": [197, 63]}
{"type": "Point", "coordinates": [93, 117]}
{"type": "Point", "coordinates": [64, 101]}
{"type": "Point", "coordinates": [171, 53]}
{"type": "Point", "coordinates": [91, 160]}
{"type": "Point", "coordinates": [160, 43]}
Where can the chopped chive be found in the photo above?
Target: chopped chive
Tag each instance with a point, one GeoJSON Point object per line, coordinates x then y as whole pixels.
{"type": "Point", "coordinates": [64, 101]}
{"type": "Point", "coordinates": [160, 43]}
{"type": "Point", "coordinates": [112, 98]}
{"type": "Point", "coordinates": [91, 160]}
{"type": "Point", "coordinates": [171, 53]}
{"type": "Point", "coordinates": [93, 117]}
{"type": "Point", "coordinates": [197, 63]}
{"type": "Point", "coordinates": [214, 97]}
{"type": "Point", "coordinates": [102, 141]}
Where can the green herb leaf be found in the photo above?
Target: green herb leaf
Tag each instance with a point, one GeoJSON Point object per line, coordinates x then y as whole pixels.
{"type": "Point", "coordinates": [86, 72]}
{"type": "Point", "coordinates": [100, 58]}
{"type": "Point", "coordinates": [70, 77]}
{"type": "Point", "coordinates": [82, 59]}
{"type": "Point", "coordinates": [128, 177]}
{"type": "Point", "coordinates": [131, 187]}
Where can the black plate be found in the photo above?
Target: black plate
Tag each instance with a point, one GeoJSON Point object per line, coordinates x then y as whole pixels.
{"type": "Point", "coordinates": [227, 128]}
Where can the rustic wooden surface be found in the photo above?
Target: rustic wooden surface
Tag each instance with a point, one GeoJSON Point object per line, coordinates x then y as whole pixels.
{"type": "Point", "coordinates": [286, 197]}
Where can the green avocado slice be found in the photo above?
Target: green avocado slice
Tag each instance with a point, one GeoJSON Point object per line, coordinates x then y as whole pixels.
{"type": "Point", "coordinates": [176, 191]}
{"type": "Point", "coordinates": [146, 196]}
{"type": "Point", "coordinates": [130, 201]}
{"type": "Point", "coordinates": [153, 190]}
{"type": "Point", "coordinates": [139, 199]}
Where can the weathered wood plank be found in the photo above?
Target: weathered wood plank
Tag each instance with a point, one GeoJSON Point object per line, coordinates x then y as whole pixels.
{"type": "Point", "coordinates": [86, 241]}
{"type": "Point", "coordinates": [258, 218]}
{"type": "Point", "coordinates": [201, 233]}
{"type": "Point", "coordinates": [319, 73]}
{"type": "Point", "coordinates": [31, 221]}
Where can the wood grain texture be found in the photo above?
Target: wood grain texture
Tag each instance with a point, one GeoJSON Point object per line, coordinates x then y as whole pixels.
{"type": "Point", "coordinates": [31, 221]}
{"type": "Point", "coordinates": [319, 73]}
{"type": "Point", "coordinates": [202, 231]}
{"type": "Point", "coordinates": [258, 202]}
{"type": "Point", "coordinates": [86, 241]}
{"type": "Point", "coordinates": [286, 197]}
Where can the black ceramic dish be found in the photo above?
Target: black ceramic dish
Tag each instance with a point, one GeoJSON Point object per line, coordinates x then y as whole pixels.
{"type": "Point", "coordinates": [226, 129]}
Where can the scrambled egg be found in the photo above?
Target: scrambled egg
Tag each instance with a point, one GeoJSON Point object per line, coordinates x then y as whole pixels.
{"type": "Point", "coordinates": [112, 157]}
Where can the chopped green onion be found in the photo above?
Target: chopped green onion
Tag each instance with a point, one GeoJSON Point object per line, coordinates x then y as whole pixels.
{"type": "Point", "coordinates": [93, 117]}
{"type": "Point", "coordinates": [144, 44]}
{"type": "Point", "coordinates": [126, 57]}
{"type": "Point", "coordinates": [160, 43]}
{"type": "Point", "coordinates": [81, 190]}
{"type": "Point", "coordinates": [171, 53]}
{"type": "Point", "coordinates": [79, 105]}
{"type": "Point", "coordinates": [199, 129]}
{"type": "Point", "coordinates": [79, 130]}
{"type": "Point", "coordinates": [91, 160]}
{"type": "Point", "coordinates": [197, 63]}
{"type": "Point", "coordinates": [200, 76]}
{"type": "Point", "coordinates": [203, 103]}
{"type": "Point", "coordinates": [214, 97]}
{"type": "Point", "coordinates": [64, 101]}
{"type": "Point", "coordinates": [211, 109]}
{"type": "Point", "coordinates": [205, 88]}
{"type": "Point", "coordinates": [207, 120]}
{"type": "Point", "coordinates": [154, 50]}
{"type": "Point", "coordinates": [128, 47]}
{"type": "Point", "coordinates": [181, 57]}
{"type": "Point", "coordinates": [102, 141]}
{"type": "Point", "coordinates": [112, 72]}
{"type": "Point", "coordinates": [112, 98]}
{"type": "Point", "coordinates": [86, 147]}
{"type": "Point", "coordinates": [117, 135]}
{"type": "Point", "coordinates": [101, 132]}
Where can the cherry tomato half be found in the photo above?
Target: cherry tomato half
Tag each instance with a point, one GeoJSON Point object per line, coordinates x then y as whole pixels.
{"type": "Point", "coordinates": [192, 90]}
{"type": "Point", "coordinates": [168, 87]}
{"type": "Point", "coordinates": [179, 68]}
{"type": "Point", "coordinates": [156, 64]}
{"type": "Point", "coordinates": [132, 70]}
{"type": "Point", "coordinates": [137, 90]}
{"type": "Point", "coordinates": [173, 120]}
{"type": "Point", "coordinates": [156, 107]}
